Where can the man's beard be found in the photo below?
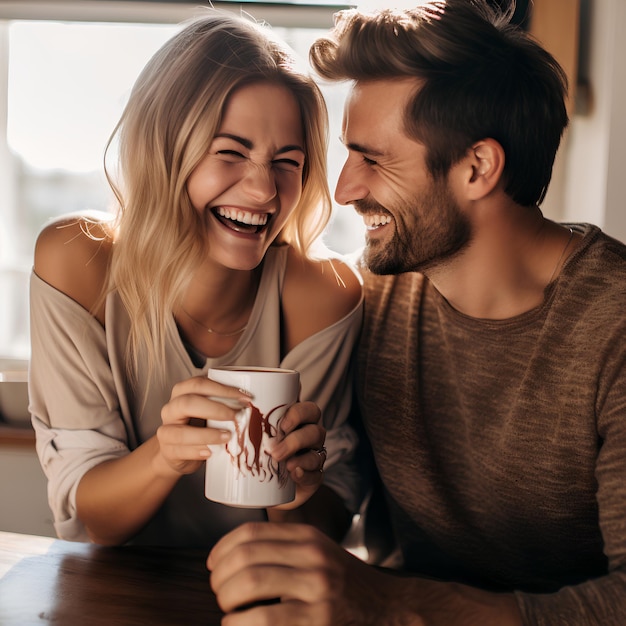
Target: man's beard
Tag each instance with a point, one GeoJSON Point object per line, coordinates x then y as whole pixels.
{"type": "Point", "coordinates": [429, 230]}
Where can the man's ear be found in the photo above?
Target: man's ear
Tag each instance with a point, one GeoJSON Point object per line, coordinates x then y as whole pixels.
{"type": "Point", "coordinates": [485, 167]}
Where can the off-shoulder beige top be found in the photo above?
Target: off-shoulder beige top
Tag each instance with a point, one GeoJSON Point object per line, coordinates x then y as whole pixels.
{"type": "Point", "coordinates": [85, 411]}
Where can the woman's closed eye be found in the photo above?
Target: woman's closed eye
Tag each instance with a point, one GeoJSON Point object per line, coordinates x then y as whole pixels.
{"type": "Point", "coordinates": [287, 164]}
{"type": "Point", "coordinates": [231, 153]}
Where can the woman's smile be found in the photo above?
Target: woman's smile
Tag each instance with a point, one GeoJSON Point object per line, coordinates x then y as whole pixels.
{"type": "Point", "coordinates": [250, 180]}
{"type": "Point", "coordinates": [242, 221]}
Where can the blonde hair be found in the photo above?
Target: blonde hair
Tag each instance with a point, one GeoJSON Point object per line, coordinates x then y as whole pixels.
{"type": "Point", "coordinates": [172, 115]}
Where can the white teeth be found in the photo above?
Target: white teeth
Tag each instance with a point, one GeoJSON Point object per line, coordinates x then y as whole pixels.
{"type": "Point", "coordinates": [245, 217]}
{"type": "Point", "coordinates": [374, 221]}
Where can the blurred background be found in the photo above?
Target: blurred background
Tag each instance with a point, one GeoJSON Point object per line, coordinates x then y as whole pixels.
{"type": "Point", "coordinates": [66, 69]}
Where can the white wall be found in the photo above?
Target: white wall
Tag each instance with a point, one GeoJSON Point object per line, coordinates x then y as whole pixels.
{"type": "Point", "coordinates": [23, 500]}
{"type": "Point", "coordinates": [7, 189]}
{"type": "Point", "coordinates": [594, 156]}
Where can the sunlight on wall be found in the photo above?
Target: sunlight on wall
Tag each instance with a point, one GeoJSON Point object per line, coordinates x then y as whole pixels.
{"type": "Point", "coordinates": [67, 87]}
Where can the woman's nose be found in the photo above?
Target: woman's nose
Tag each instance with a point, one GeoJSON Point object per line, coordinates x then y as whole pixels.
{"type": "Point", "coordinates": [260, 183]}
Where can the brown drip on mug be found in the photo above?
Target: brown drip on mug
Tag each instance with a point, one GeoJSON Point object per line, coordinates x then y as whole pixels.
{"type": "Point", "coordinates": [248, 458]}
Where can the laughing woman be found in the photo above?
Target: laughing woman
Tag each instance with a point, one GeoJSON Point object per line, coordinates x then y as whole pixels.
{"type": "Point", "coordinates": [222, 193]}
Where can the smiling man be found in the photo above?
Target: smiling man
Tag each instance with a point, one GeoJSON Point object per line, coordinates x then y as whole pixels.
{"type": "Point", "coordinates": [492, 363]}
{"type": "Point", "coordinates": [386, 179]}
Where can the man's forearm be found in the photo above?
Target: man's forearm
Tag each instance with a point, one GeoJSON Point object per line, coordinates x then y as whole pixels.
{"type": "Point", "coordinates": [421, 602]}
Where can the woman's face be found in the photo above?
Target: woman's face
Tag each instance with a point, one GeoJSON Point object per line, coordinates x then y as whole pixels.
{"type": "Point", "coordinates": [250, 180]}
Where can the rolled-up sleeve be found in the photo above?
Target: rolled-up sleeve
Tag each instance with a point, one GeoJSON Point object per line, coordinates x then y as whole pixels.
{"type": "Point", "coordinates": [65, 456]}
{"type": "Point", "coordinates": [73, 401]}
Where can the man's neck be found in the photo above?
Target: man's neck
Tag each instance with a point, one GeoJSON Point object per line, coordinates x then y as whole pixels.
{"type": "Point", "coordinates": [504, 270]}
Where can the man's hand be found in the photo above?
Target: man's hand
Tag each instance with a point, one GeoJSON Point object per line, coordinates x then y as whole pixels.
{"type": "Point", "coordinates": [290, 574]}
{"type": "Point", "coordinates": [317, 581]}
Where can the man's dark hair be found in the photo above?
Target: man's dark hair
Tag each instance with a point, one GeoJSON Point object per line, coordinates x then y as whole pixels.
{"type": "Point", "coordinates": [478, 76]}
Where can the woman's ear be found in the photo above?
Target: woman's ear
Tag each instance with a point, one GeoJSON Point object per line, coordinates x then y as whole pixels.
{"type": "Point", "coordinates": [486, 164]}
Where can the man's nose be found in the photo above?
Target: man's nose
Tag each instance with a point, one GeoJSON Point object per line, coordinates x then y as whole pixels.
{"type": "Point", "coordinates": [350, 185]}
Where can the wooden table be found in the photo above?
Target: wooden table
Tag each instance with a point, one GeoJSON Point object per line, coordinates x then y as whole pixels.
{"type": "Point", "coordinates": [17, 436]}
{"type": "Point", "coordinates": [48, 581]}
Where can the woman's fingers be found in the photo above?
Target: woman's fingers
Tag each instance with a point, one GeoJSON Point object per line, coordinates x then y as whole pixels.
{"type": "Point", "coordinates": [183, 447]}
{"type": "Point", "coordinates": [302, 440]}
{"type": "Point", "coordinates": [309, 460]}
{"type": "Point", "coordinates": [184, 437]}
{"type": "Point", "coordinates": [181, 409]}
{"type": "Point", "coordinates": [303, 431]}
{"type": "Point", "coordinates": [299, 414]}
{"type": "Point", "coordinates": [200, 397]}
{"type": "Point", "coordinates": [202, 386]}
{"type": "Point", "coordinates": [302, 449]}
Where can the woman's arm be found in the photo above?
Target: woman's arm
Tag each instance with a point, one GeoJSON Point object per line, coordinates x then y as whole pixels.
{"type": "Point", "coordinates": [72, 256]}
{"type": "Point", "coordinates": [116, 498]}
{"type": "Point", "coordinates": [98, 488]}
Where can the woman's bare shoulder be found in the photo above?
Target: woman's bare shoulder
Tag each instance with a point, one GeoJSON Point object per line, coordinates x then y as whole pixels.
{"type": "Point", "coordinates": [72, 254]}
{"type": "Point", "coordinates": [317, 294]}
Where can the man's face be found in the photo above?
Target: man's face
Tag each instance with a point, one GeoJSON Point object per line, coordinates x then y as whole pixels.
{"type": "Point", "coordinates": [413, 222]}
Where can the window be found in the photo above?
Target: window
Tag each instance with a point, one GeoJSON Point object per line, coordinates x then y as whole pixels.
{"type": "Point", "coordinates": [64, 87]}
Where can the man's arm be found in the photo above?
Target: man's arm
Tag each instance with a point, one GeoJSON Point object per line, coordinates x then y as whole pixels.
{"type": "Point", "coordinates": [320, 583]}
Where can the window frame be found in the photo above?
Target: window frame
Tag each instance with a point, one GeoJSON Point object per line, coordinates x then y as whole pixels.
{"type": "Point", "coordinates": [279, 14]}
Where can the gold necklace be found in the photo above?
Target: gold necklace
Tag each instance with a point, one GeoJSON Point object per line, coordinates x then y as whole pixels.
{"type": "Point", "coordinates": [556, 267]}
{"type": "Point", "coordinates": [212, 331]}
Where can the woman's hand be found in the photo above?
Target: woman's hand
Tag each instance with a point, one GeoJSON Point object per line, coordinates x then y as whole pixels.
{"type": "Point", "coordinates": [303, 449]}
{"type": "Point", "coordinates": [183, 438]}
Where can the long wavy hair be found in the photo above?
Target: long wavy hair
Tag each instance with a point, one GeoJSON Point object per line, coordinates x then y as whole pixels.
{"type": "Point", "coordinates": [172, 115]}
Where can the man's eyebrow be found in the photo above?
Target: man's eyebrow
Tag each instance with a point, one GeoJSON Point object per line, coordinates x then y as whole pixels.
{"type": "Point", "coordinates": [246, 143]}
{"type": "Point", "coordinates": [357, 147]}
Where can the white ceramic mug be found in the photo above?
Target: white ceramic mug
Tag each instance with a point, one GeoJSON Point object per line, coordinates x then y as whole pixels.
{"type": "Point", "coordinates": [241, 472]}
